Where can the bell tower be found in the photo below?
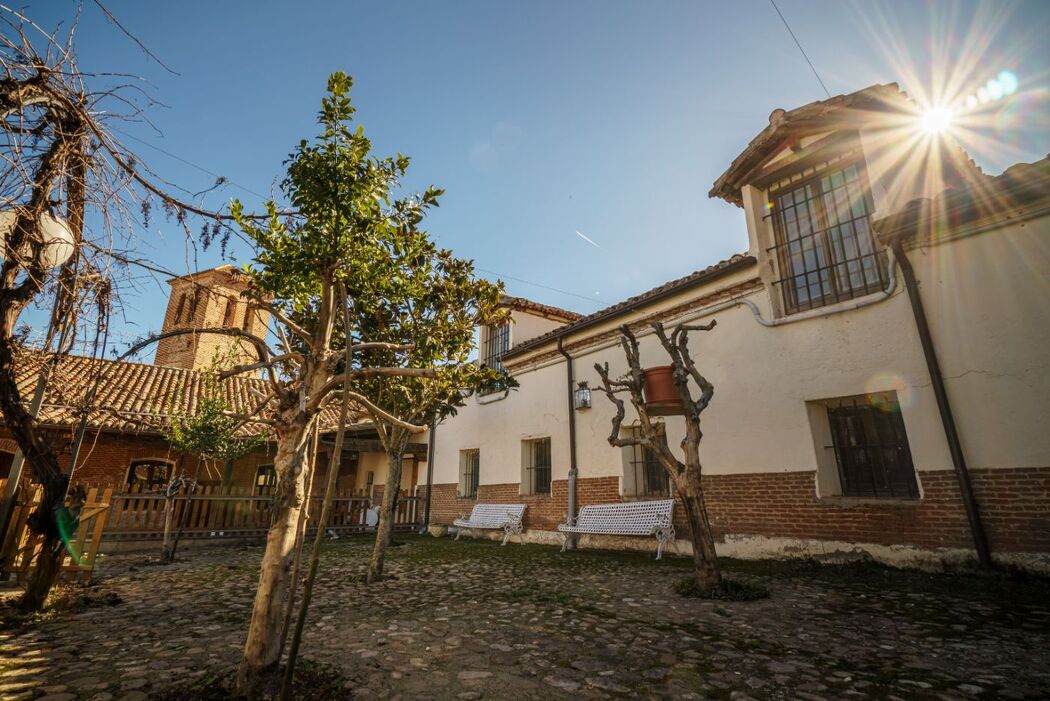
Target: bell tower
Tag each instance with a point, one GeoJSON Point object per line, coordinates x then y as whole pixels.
{"type": "Point", "coordinates": [208, 299]}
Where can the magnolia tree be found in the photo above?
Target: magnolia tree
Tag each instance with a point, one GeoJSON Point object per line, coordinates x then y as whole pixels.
{"type": "Point", "coordinates": [431, 302]}
{"type": "Point", "coordinates": [684, 473]}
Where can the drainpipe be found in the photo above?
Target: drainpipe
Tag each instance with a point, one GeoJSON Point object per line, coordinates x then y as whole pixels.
{"type": "Point", "coordinates": [962, 474]}
{"type": "Point", "coordinates": [571, 505]}
{"type": "Point", "coordinates": [430, 476]}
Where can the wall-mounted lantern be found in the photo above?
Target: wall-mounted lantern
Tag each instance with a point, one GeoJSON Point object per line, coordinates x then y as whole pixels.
{"type": "Point", "coordinates": [582, 397]}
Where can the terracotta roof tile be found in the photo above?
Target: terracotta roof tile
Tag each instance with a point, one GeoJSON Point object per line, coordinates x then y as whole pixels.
{"type": "Point", "coordinates": [709, 273]}
{"type": "Point", "coordinates": [132, 397]}
{"type": "Point", "coordinates": [527, 305]}
{"type": "Point", "coordinates": [1007, 196]}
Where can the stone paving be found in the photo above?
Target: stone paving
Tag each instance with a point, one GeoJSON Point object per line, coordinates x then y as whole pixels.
{"type": "Point", "coordinates": [471, 620]}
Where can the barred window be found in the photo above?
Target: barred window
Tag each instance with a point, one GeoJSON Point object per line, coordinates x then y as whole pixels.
{"type": "Point", "coordinates": [536, 454]}
{"type": "Point", "coordinates": [469, 466]}
{"type": "Point", "coordinates": [644, 476]}
{"type": "Point", "coordinates": [871, 447]}
{"type": "Point", "coordinates": [265, 479]}
{"type": "Point", "coordinates": [495, 341]}
{"type": "Point", "coordinates": [149, 473]}
{"type": "Point", "coordinates": [825, 248]}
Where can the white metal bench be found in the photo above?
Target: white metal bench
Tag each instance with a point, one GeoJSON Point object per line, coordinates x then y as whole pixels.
{"type": "Point", "coordinates": [493, 516]}
{"type": "Point", "coordinates": [644, 518]}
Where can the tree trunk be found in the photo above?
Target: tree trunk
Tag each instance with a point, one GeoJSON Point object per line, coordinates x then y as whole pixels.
{"type": "Point", "coordinates": [44, 575]}
{"type": "Point", "coordinates": [385, 529]}
{"type": "Point", "coordinates": [167, 552]}
{"type": "Point", "coordinates": [187, 507]}
{"type": "Point", "coordinates": [705, 560]}
{"type": "Point", "coordinates": [43, 465]}
{"type": "Point", "coordinates": [257, 676]}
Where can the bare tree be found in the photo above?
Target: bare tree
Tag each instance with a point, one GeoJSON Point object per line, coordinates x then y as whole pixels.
{"type": "Point", "coordinates": [59, 163]}
{"type": "Point", "coordinates": [685, 473]}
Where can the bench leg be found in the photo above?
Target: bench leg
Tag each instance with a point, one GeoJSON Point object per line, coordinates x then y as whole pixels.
{"type": "Point", "coordinates": [565, 542]}
{"type": "Point", "coordinates": [459, 532]}
{"type": "Point", "coordinates": [664, 535]}
{"type": "Point", "coordinates": [507, 530]}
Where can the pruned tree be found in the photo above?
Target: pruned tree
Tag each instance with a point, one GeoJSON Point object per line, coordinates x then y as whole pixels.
{"type": "Point", "coordinates": [685, 472]}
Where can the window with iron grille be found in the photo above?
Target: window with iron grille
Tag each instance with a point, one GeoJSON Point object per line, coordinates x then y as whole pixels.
{"type": "Point", "coordinates": [871, 448]}
{"type": "Point", "coordinates": [495, 341]}
{"type": "Point", "coordinates": [537, 477]}
{"type": "Point", "coordinates": [644, 475]}
{"type": "Point", "coordinates": [825, 248]}
{"type": "Point", "coordinates": [149, 473]}
{"type": "Point", "coordinates": [469, 465]}
{"type": "Point", "coordinates": [265, 479]}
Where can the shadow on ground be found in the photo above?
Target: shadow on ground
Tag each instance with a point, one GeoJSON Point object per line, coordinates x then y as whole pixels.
{"type": "Point", "coordinates": [473, 620]}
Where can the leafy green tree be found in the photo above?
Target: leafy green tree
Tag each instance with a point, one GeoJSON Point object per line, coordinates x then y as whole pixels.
{"type": "Point", "coordinates": [306, 265]}
{"type": "Point", "coordinates": [213, 434]}
{"type": "Point", "coordinates": [431, 303]}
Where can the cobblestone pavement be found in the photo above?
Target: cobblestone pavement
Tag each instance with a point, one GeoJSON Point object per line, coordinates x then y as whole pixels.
{"type": "Point", "coordinates": [471, 620]}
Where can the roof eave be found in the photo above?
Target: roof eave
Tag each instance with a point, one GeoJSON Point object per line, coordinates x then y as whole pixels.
{"type": "Point", "coordinates": [744, 261]}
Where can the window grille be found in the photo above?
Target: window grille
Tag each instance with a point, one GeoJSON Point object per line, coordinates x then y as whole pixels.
{"type": "Point", "coordinates": [650, 477]}
{"type": "Point", "coordinates": [538, 467]}
{"type": "Point", "coordinates": [495, 341]}
{"type": "Point", "coordinates": [149, 473]}
{"type": "Point", "coordinates": [265, 479]}
{"type": "Point", "coordinates": [825, 248]}
{"type": "Point", "coordinates": [470, 460]}
{"type": "Point", "coordinates": [871, 448]}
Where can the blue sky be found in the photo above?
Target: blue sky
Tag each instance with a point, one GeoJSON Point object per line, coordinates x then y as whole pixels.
{"type": "Point", "coordinates": [540, 119]}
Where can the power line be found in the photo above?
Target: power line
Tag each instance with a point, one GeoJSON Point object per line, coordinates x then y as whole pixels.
{"type": "Point", "coordinates": [191, 164]}
{"type": "Point", "coordinates": [536, 284]}
{"type": "Point", "coordinates": [799, 45]}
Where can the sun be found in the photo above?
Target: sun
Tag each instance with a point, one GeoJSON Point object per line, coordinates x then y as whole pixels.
{"type": "Point", "coordinates": [936, 120]}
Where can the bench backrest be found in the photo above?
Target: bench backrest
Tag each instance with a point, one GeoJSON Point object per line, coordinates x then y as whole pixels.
{"type": "Point", "coordinates": [495, 515]}
{"type": "Point", "coordinates": [627, 518]}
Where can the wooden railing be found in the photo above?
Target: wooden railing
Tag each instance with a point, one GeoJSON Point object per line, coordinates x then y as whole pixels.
{"type": "Point", "coordinates": [232, 512]}
{"type": "Point", "coordinates": [20, 546]}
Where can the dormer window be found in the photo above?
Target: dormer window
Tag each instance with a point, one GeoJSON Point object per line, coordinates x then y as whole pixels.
{"type": "Point", "coordinates": [825, 249]}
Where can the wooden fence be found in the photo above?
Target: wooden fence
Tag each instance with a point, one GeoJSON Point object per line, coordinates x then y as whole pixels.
{"type": "Point", "coordinates": [20, 546]}
{"type": "Point", "coordinates": [209, 512]}
{"type": "Point", "coordinates": [237, 512]}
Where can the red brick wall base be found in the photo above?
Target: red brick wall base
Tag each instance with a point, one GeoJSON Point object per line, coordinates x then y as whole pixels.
{"type": "Point", "coordinates": [1015, 507]}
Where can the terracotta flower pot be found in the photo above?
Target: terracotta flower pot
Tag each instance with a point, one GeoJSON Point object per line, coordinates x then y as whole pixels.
{"type": "Point", "coordinates": [661, 396]}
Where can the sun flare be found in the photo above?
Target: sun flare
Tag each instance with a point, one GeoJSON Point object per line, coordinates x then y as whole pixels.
{"type": "Point", "coordinates": [937, 119]}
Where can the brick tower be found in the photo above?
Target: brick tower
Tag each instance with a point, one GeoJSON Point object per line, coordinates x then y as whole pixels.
{"type": "Point", "coordinates": [208, 299]}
